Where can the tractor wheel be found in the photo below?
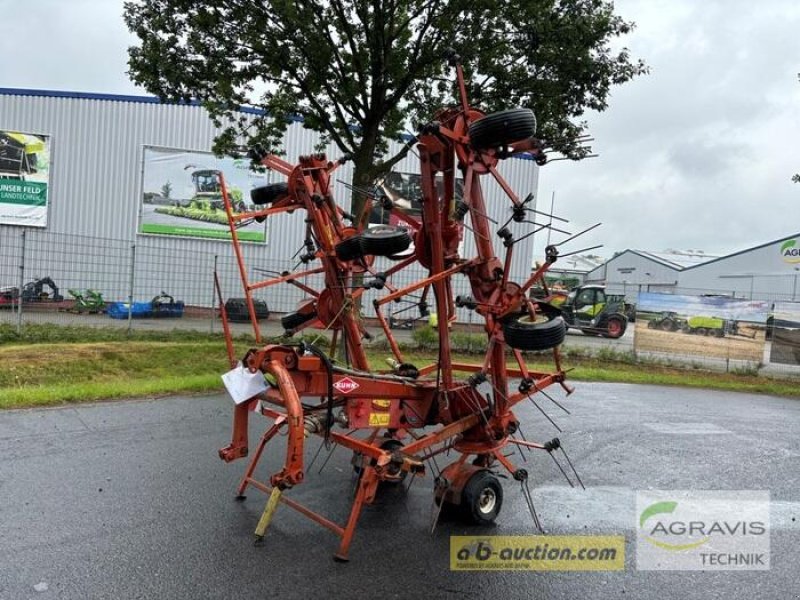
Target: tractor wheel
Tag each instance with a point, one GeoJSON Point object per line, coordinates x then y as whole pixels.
{"type": "Point", "coordinates": [651, 324]}
{"type": "Point", "coordinates": [349, 248]}
{"type": "Point", "coordinates": [502, 128]}
{"type": "Point", "coordinates": [615, 328]}
{"type": "Point", "coordinates": [384, 240]}
{"type": "Point", "coordinates": [545, 332]}
{"type": "Point", "coordinates": [482, 498]}
{"type": "Point", "coordinates": [294, 320]}
{"type": "Point", "coordinates": [666, 325]}
{"type": "Point", "coordinates": [267, 194]}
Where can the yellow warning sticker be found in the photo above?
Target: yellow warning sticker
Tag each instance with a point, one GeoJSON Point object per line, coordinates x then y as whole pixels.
{"type": "Point", "coordinates": [384, 404]}
{"type": "Point", "coordinates": [377, 419]}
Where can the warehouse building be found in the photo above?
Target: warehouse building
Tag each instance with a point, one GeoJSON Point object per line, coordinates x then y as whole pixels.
{"type": "Point", "coordinates": [765, 272]}
{"type": "Point", "coordinates": [94, 190]}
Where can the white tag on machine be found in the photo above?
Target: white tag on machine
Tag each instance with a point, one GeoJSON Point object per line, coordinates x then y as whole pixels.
{"type": "Point", "coordinates": [242, 384]}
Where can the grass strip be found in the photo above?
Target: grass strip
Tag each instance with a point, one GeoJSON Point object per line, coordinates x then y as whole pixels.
{"type": "Point", "coordinates": [47, 374]}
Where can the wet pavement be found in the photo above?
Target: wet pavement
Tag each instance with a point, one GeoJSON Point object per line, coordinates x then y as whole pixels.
{"type": "Point", "coordinates": [129, 500]}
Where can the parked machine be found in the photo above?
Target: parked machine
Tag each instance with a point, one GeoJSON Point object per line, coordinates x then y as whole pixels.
{"type": "Point", "coordinates": [87, 301]}
{"type": "Point", "coordinates": [591, 310]}
{"type": "Point", "coordinates": [34, 291]}
{"type": "Point", "coordinates": [396, 421]}
{"type": "Point", "coordinates": [39, 290]}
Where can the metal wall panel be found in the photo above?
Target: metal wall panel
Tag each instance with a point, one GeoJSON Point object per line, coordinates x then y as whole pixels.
{"type": "Point", "coordinates": [96, 189]}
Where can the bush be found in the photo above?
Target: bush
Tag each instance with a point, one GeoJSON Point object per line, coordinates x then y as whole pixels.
{"type": "Point", "coordinates": [426, 338]}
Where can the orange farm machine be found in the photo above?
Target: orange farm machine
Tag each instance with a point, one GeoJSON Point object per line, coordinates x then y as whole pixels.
{"type": "Point", "coordinates": [397, 421]}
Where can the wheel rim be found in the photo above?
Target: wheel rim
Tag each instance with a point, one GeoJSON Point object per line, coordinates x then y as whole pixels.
{"type": "Point", "coordinates": [487, 501]}
{"type": "Point", "coordinates": [540, 318]}
{"type": "Point", "coordinates": [614, 327]}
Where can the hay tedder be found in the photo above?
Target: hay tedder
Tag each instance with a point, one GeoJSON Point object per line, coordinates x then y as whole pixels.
{"type": "Point", "coordinates": [397, 421]}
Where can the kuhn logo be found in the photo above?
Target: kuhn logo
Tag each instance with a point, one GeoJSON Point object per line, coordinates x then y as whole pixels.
{"type": "Point", "coordinates": [346, 385]}
{"type": "Point", "coordinates": [790, 252]}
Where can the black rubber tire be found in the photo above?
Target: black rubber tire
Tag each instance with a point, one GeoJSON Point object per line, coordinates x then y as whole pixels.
{"type": "Point", "coordinates": [349, 248]}
{"type": "Point", "coordinates": [385, 240]}
{"type": "Point", "coordinates": [666, 325]}
{"type": "Point", "coordinates": [293, 320]}
{"type": "Point", "coordinates": [615, 327]}
{"type": "Point", "coordinates": [502, 128]}
{"type": "Point", "coordinates": [482, 498]}
{"type": "Point", "coordinates": [651, 324]}
{"type": "Point", "coordinates": [267, 194]}
{"type": "Point", "coordinates": [548, 332]}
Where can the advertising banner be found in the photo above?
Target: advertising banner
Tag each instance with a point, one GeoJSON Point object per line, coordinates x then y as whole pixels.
{"type": "Point", "coordinates": [405, 192]}
{"type": "Point", "coordinates": [24, 178]}
{"type": "Point", "coordinates": [710, 326]}
{"type": "Point", "coordinates": [181, 195]}
{"type": "Point", "coordinates": [784, 330]}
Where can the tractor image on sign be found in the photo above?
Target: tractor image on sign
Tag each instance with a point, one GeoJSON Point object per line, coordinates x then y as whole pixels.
{"type": "Point", "coordinates": [396, 421]}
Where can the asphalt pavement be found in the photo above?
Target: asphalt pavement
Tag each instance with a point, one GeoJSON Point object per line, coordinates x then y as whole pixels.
{"type": "Point", "coordinates": [129, 500]}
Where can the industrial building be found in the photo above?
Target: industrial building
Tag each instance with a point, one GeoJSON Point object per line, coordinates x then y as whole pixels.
{"type": "Point", "coordinates": [765, 272]}
{"type": "Point", "coordinates": [100, 179]}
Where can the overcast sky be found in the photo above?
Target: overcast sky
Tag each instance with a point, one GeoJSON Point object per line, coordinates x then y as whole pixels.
{"type": "Point", "coordinates": [697, 155]}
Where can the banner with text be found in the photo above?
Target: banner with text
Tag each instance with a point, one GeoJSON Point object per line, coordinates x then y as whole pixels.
{"type": "Point", "coordinates": [24, 178]}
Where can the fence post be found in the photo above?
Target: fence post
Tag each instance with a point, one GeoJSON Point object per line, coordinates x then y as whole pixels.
{"type": "Point", "coordinates": [213, 297]}
{"type": "Point", "coordinates": [130, 288]}
{"type": "Point", "coordinates": [21, 284]}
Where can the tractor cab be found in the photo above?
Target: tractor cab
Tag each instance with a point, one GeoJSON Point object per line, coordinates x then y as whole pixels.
{"type": "Point", "coordinates": [588, 308]}
{"type": "Point", "coordinates": [207, 194]}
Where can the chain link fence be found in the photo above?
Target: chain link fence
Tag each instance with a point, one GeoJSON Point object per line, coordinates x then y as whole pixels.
{"type": "Point", "coordinates": [62, 279]}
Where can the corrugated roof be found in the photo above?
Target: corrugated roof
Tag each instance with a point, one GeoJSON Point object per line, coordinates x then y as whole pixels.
{"type": "Point", "coordinates": [678, 260]}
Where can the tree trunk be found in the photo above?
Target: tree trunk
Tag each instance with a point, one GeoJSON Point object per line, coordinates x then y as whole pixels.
{"type": "Point", "coordinates": [363, 178]}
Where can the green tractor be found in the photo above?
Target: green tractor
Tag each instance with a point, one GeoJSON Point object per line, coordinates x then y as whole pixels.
{"type": "Point", "coordinates": [591, 310]}
{"type": "Point", "coordinates": [667, 321]}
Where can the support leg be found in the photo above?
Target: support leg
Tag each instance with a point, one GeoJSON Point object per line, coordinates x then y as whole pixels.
{"type": "Point", "coordinates": [268, 435]}
{"type": "Point", "coordinates": [266, 516]}
{"type": "Point", "coordinates": [367, 485]}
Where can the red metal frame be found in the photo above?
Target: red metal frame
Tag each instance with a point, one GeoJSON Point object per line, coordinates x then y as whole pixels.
{"type": "Point", "coordinates": [456, 414]}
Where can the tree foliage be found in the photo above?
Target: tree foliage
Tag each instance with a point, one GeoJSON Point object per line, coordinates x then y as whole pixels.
{"type": "Point", "coordinates": [363, 72]}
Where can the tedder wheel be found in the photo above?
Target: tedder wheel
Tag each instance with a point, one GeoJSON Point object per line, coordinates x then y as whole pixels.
{"type": "Point", "coordinates": [267, 194]}
{"type": "Point", "coordinates": [349, 248]}
{"type": "Point", "coordinates": [545, 332]}
{"type": "Point", "coordinates": [295, 319]}
{"type": "Point", "coordinates": [384, 240]}
{"type": "Point", "coordinates": [482, 498]}
{"type": "Point", "coordinates": [502, 128]}
{"type": "Point", "coordinates": [615, 328]}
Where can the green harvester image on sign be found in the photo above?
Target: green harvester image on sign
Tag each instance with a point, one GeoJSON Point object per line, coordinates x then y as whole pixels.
{"type": "Point", "coordinates": [24, 178]}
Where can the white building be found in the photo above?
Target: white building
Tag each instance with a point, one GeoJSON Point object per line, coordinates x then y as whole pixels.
{"type": "Point", "coordinates": [766, 272]}
{"type": "Point", "coordinates": [92, 235]}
